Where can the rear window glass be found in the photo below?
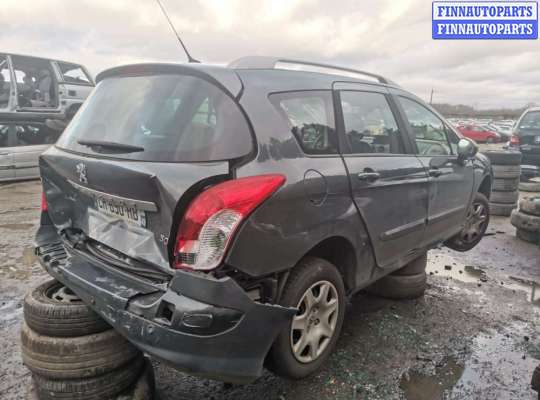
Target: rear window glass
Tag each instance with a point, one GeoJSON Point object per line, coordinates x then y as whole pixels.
{"type": "Point", "coordinates": [531, 120]}
{"type": "Point", "coordinates": [172, 117]}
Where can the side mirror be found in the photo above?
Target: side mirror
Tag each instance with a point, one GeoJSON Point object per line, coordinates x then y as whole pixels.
{"type": "Point", "coordinates": [466, 149]}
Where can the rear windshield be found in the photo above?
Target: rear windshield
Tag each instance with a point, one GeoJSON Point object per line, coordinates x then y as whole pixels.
{"type": "Point", "coordinates": [173, 118]}
{"type": "Point", "coordinates": [530, 121]}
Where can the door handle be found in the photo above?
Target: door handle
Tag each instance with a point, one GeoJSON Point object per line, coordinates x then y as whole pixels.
{"type": "Point", "coordinates": [435, 172]}
{"type": "Point", "coordinates": [368, 176]}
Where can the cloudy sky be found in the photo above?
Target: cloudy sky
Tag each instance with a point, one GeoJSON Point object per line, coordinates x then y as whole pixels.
{"type": "Point", "coordinates": [391, 37]}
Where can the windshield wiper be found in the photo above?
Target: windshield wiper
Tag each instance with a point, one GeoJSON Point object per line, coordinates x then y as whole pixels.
{"type": "Point", "coordinates": [102, 144]}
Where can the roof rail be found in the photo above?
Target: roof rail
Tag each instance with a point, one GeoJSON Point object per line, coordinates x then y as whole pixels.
{"type": "Point", "coordinates": [263, 62]}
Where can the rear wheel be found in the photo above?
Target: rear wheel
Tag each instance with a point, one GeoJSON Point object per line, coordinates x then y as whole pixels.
{"type": "Point", "coordinates": [316, 288]}
{"type": "Point", "coordinates": [476, 224]}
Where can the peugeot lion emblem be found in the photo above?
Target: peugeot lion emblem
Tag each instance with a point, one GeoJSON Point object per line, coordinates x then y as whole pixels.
{"type": "Point", "coordinates": [81, 170]}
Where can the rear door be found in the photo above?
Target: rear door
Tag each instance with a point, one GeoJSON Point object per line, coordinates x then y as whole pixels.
{"type": "Point", "coordinates": [450, 181]}
{"type": "Point", "coordinates": [389, 184]}
{"type": "Point", "coordinates": [32, 139]}
{"type": "Point", "coordinates": [6, 155]}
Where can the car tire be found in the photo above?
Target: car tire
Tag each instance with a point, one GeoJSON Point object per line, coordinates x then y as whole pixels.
{"type": "Point", "coordinates": [414, 267]}
{"type": "Point", "coordinates": [475, 225]}
{"type": "Point", "coordinates": [100, 387]}
{"type": "Point", "coordinates": [145, 386]}
{"type": "Point", "coordinates": [528, 236]}
{"type": "Point", "coordinates": [525, 221]}
{"type": "Point", "coordinates": [311, 271]}
{"type": "Point", "coordinates": [48, 313]}
{"type": "Point", "coordinates": [529, 186]}
{"type": "Point", "coordinates": [505, 185]}
{"type": "Point", "coordinates": [505, 197]}
{"type": "Point", "coordinates": [530, 205]}
{"type": "Point", "coordinates": [78, 357]}
{"type": "Point", "coordinates": [498, 157]}
{"type": "Point", "coordinates": [535, 380]}
{"type": "Point", "coordinates": [506, 171]}
{"type": "Point", "coordinates": [501, 210]}
{"type": "Point", "coordinates": [399, 287]}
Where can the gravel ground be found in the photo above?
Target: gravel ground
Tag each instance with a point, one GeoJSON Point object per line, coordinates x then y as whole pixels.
{"type": "Point", "coordinates": [473, 336]}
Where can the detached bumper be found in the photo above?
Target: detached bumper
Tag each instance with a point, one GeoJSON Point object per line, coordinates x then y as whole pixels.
{"type": "Point", "coordinates": [198, 324]}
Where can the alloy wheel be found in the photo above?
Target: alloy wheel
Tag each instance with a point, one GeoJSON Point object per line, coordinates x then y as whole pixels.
{"type": "Point", "coordinates": [475, 223]}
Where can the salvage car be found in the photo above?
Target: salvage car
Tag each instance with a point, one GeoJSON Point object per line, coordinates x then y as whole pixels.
{"type": "Point", "coordinates": [480, 133]}
{"type": "Point", "coordinates": [33, 87]}
{"type": "Point", "coordinates": [526, 137]}
{"type": "Point", "coordinates": [219, 217]}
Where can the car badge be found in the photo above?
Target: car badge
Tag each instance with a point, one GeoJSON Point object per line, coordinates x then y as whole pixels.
{"type": "Point", "coordinates": [81, 170]}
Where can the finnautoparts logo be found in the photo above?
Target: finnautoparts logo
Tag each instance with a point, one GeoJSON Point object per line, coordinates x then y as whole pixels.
{"type": "Point", "coordinates": [485, 20]}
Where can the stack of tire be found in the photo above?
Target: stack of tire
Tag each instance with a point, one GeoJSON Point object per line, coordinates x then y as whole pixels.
{"type": "Point", "coordinates": [527, 219]}
{"type": "Point", "coordinates": [530, 185]}
{"type": "Point", "coordinates": [409, 282]}
{"type": "Point", "coordinates": [74, 354]}
{"type": "Point", "coordinates": [504, 188]}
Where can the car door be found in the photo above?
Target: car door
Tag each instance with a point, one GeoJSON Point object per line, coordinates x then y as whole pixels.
{"type": "Point", "coordinates": [6, 156]}
{"type": "Point", "coordinates": [389, 184]}
{"type": "Point", "coordinates": [450, 180]}
{"type": "Point", "coordinates": [32, 139]}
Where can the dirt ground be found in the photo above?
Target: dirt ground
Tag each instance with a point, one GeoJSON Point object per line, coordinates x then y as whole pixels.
{"type": "Point", "coordinates": [473, 336]}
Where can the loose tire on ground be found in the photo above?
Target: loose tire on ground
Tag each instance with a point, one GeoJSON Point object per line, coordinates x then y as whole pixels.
{"type": "Point", "coordinates": [505, 185]}
{"type": "Point", "coordinates": [506, 171]}
{"type": "Point", "coordinates": [399, 287]}
{"type": "Point", "coordinates": [529, 186]}
{"type": "Point", "coordinates": [101, 387]}
{"type": "Point", "coordinates": [530, 205]}
{"type": "Point", "coordinates": [501, 210]}
{"type": "Point", "coordinates": [505, 197]}
{"type": "Point", "coordinates": [498, 157]}
{"type": "Point", "coordinates": [416, 266]}
{"type": "Point", "coordinates": [78, 357]}
{"type": "Point", "coordinates": [528, 236]}
{"type": "Point", "coordinates": [525, 221]}
{"type": "Point", "coordinates": [48, 314]}
{"type": "Point", "coordinates": [281, 358]}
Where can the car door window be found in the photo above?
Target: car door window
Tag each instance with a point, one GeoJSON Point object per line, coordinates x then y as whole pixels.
{"type": "Point", "coordinates": [311, 119]}
{"type": "Point", "coordinates": [73, 73]}
{"type": "Point", "coordinates": [35, 134]}
{"type": "Point", "coordinates": [429, 130]}
{"type": "Point", "coordinates": [370, 126]}
{"type": "Point", "coordinates": [5, 82]}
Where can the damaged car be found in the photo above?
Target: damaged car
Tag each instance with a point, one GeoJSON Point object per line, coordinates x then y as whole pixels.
{"type": "Point", "coordinates": [220, 217]}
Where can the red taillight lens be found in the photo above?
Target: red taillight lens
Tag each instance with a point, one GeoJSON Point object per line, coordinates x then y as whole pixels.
{"type": "Point", "coordinates": [212, 218]}
{"type": "Point", "coordinates": [44, 206]}
{"type": "Point", "coordinates": [514, 140]}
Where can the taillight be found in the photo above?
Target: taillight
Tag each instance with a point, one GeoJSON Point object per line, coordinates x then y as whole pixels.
{"type": "Point", "coordinates": [213, 216]}
{"type": "Point", "coordinates": [514, 140]}
{"type": "Point", "coordinates": [44, 206]}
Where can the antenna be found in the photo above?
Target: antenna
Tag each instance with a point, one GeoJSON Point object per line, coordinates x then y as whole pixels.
{"type": "Point", "coordinates": [190, 59]}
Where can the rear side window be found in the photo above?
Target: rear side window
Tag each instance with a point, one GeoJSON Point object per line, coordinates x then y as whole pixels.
{"type": "Point", "coordinates": [172, 118]}
{"type": "Point", "coordinates": [531, 120]}
{"type": "Point", "coordinates": [73, 73]}
{"type": "Point", "coordinates": [310, 117]}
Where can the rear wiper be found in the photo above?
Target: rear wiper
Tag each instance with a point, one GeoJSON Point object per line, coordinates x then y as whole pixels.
{"type": "Point", "coordinates": [102, 144]}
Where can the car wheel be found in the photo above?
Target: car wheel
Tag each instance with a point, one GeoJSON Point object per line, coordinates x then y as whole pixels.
{"type": "Point", "coordinates": [54, 310]}
{"type": "Point", "coordinates": [105, 386]}
{"type": "Point", "coordinates": [414, 267]}
{"type": "Point", "coordinates": [78, 357]}
{"type": "Point", "coordinates": [501, 210]}
{"type": "Point", "coordinates": [316, 288]}
{"type": "Point", "coordinates": [400, 287]}
{"type": "Point", "coordinates": [504, 197]}
{"type": "Point", "coordinates": [530, 205]}
{"type": "Point", "coordinates": [535, 381]}
{"type": "Point", "coordinates": [476, 223]}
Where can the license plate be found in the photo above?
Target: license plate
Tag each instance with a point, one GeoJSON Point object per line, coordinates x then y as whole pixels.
{"type": "Point", "coordinates": [537, 140]}
{"type": "Point", "coordinates": [122, 210]}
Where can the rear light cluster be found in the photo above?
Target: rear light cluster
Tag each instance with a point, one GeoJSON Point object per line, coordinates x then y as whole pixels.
{"type": "Point", "coordinates": [213, 217]}
{"type": "Point", "coordinates": [44, 206]}
{"type": "Point", "coordinates": [514, 140]}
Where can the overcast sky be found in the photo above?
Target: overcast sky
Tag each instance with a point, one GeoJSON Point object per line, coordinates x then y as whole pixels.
{"type": "Point", "coordinates": [390, 37]}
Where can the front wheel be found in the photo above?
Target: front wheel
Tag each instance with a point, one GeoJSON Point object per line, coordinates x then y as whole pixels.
{"type": "Point", "coordinates": [316, 288]}
{"type": "Point", "coordinates": [475, 226]}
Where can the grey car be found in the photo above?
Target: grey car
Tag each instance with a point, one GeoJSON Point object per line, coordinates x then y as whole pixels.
{"type": "Point", "coordinates": [220, 217]}
{"type": "Point", "coordinates": [526, 137]}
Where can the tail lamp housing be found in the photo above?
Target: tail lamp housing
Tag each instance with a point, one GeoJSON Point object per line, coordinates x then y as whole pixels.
{"type": "Point", "coordinates": [212, 218]}
{"type": "Point", "coordinates": [514, 140]}
{"type": "Point", "coordinates": [44, 205]}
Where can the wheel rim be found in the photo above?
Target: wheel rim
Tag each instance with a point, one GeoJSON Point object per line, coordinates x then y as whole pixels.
{"type": "Point", "coordinates": [314, 325]}
{"type": "Point", "coordinates": [475, 224]}
{"type": "Point", "coordinates": [62, 294]}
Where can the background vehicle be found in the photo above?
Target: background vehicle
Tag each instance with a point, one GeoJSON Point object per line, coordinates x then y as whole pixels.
{"type": "Point", "coordinates": [42, 88]}
{"type": "Point", "coordinates": [229, 214]}
{"type": "Point", "coordinates": [21, 144]}
{"type": "Point", "coordinates": [526, 137]}
{"type": "Point", "coordinates": [479, 133]}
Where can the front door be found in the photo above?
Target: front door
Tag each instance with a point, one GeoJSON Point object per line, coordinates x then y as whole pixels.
{"type": "Point", "coordinates": [451, 181]}
{"type": "Point", "coordinates": [389, 184]}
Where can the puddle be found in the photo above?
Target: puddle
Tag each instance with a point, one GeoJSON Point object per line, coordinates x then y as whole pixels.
{"type": "Point", "coordinates": [497, 361]}
{"type": "Point", "coordinates": [16, 227]}
{"type": "Point", "coordinates": [447, 266]}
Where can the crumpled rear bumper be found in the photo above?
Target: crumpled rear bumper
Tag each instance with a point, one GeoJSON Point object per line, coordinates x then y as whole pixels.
{"type": "Point", "coordinates": [198, 324]}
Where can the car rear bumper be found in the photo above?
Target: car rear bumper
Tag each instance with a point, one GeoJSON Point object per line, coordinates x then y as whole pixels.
{"type": "Point", "coordinates": [198, 324]}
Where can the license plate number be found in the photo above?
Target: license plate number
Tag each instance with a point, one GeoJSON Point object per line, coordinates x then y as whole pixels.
{"type": "Point", "coordinates": [121, 210]}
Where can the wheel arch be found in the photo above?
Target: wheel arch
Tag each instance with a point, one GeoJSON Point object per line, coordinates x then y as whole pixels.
{"type": "Point", "coordinates": [485, 186]}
